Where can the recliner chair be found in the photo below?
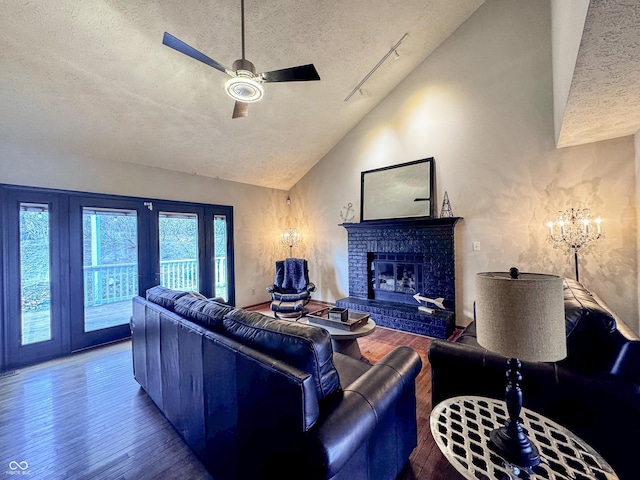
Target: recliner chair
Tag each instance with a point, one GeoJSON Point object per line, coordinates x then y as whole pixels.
{"type": "Point", "coordinates": [291, 289]}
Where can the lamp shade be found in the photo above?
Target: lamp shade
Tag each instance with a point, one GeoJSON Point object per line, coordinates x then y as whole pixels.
{"type": "Point", "coordinates": [521, 317]}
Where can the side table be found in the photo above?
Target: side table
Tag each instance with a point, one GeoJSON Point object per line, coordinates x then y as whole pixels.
{"type": "Point", "coordinates": [461, 426]}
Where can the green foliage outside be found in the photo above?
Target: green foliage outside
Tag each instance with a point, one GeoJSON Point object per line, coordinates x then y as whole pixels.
{"type": "Point", "coordinates": [34, 255]}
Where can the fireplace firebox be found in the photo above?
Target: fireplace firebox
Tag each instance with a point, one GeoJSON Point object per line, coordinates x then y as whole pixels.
{"type": "Point", "coordinates": [395, 277]}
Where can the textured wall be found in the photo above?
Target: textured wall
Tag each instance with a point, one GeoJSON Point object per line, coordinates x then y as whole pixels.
{"type": "Point", "coordinates": [259, 213]}
{"type": "Point", "coordinates": [482, 105]}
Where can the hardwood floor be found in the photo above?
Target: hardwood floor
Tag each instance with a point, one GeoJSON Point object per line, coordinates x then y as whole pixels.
{"type": "Point", "coordinates": [85, 417]}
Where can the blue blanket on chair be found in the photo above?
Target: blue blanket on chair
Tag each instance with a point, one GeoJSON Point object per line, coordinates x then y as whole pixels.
{"type": "Point", "coordinates": [294, 277]}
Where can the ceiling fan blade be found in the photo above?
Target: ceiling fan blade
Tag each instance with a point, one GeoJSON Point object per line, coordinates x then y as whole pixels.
{"type": "Point", "coordinates": [177, 44]}
{"type": "Point", "coordinates": [303, 73]}
{"type": "Point", "coordinates": [240, 109]}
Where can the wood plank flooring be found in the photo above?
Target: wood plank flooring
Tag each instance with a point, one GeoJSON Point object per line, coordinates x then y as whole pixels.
{"type": "Point", "coordinates": [85, 417]}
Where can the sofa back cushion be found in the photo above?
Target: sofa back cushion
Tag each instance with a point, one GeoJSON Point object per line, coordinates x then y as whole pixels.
{"type": "Point", "coordinates": [165, 297]}
{"type": "Point", "coordinates": [303, 346]}
{"type": "Point", "coordinates": [207, 313]}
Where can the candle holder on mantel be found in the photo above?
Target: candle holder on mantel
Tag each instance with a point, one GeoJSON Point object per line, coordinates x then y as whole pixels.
{"type": "Point", "coordinates": [574, 230]}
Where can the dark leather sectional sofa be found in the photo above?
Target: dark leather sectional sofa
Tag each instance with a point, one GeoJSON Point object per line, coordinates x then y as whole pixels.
{"type": "Point", "coordinates": [256, 397]}
{"type": "Point", "coordinates": [594, 392]}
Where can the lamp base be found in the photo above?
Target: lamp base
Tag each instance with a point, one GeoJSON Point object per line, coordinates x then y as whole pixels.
{"type": "Point", "coordinates": [517, 450]}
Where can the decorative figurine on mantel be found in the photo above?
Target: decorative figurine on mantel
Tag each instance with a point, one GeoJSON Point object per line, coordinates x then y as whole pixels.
{"type": "Point", "coordinates": [438, 302]}
{"type": "Point", "coordinates": [347, 213]}
{"type": "Point", "coordinates": [446, 211]}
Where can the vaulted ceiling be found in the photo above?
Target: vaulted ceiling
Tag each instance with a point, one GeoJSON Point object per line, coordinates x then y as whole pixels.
{"type": "Point", "coordinates": [91, 78]}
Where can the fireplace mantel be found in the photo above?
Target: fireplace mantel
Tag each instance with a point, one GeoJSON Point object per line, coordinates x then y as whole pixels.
{"type": "Point", "coordinates": [403, 222]}
{"type": "Point", "coordinates": [433, 239]}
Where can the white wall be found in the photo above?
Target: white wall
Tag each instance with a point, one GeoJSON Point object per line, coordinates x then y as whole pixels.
{"type": "Point", "coordinates": [482, 105]}
{"type": "Point", "coordinates": [567, 24]}
{"type": "Point", "coordinates": [259, 213]}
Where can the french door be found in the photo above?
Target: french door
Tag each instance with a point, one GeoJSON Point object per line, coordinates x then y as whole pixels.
{"type": "Point", "coordinates": [72, 263]}
{"type": "Point", "coordinates": [108, 253]}
{"type": "Point", "coordinates": [194, 248]}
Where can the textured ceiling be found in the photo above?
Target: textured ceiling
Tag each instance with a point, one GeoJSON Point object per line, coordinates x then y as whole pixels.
{"type": "Point", "coordinates": [91, 78]}
{"type": "Point", "coordinates": [604, 99]}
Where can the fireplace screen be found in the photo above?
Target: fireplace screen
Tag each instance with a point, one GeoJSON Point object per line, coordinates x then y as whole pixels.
{"type": "Point", "coordinates": [395, 277]}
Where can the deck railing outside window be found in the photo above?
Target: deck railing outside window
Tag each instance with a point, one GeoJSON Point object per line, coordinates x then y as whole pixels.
{"type": "Point", "coordinates": [118, 282]}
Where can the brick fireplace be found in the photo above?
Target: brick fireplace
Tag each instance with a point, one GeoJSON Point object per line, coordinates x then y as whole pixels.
{"type": "Point", "coordinates": [391, 260]}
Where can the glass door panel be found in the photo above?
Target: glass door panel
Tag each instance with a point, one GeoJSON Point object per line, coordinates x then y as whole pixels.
{"type": "Point", "coordinates": [110, 266]}
{"type": "Point", "coordinates": [220, 257]}
{"type": "Point", "coordinates": [178, 241]}
{"type": "Point", "coordinates": [32, 309]}
{"type": "Point", "coordinates": [35, 266]}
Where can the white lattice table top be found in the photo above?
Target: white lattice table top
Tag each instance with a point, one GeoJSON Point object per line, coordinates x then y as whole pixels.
{"type": "Point", "coordinates": [461, 426]}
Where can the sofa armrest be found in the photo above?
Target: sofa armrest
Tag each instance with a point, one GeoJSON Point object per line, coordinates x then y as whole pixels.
{"type": "Point", "coordinates": [271, 288]}
{"type": "Point", "coordinates": [627, 365]}
{"type": "Point", "coordinates": [311, 287]}
{"type": "Point", "coordinates": [351, 419]}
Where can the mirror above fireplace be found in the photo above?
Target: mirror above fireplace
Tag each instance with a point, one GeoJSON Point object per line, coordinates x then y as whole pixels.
{"type": "Point", "coordinates": [399, 191]}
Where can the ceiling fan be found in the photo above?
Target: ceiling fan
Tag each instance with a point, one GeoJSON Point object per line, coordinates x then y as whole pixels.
{"type": "Point", "coordinates": [244, 86]}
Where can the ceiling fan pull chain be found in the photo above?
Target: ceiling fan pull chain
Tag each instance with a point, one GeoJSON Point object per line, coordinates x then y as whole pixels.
{"type": "Point", "coordinates": [242, 23]}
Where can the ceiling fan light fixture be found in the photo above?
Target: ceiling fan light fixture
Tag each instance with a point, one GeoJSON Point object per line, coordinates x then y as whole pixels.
{"type": "Point", "coordinates": [244, 88]}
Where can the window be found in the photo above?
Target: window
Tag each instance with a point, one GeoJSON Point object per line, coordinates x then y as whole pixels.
{"type": "Point", "coordinates": [35, 265]}
{"type": "Point", "coordinates": [220, 257]}
{"type": "Point", "coordinates": [179, 266]}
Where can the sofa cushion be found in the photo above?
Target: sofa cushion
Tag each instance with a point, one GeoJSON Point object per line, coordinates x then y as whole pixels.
{"type": "Point", "coordinates": [165, 297]}
{"type": "Point", "coordinates": [303, 346]}
{"type": "Point", "coordinates": [207, 313]}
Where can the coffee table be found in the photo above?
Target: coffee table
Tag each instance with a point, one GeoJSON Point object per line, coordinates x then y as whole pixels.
{"type": "Point", "coordinates": [345, 341]}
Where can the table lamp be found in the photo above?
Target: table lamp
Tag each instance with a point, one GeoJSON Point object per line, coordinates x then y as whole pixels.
{"type": "Point", "coordinates": [520, 316]}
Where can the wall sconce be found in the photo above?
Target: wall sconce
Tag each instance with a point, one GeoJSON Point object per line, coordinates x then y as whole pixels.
{"type": "Point", "coordinates": [574, 230]}
{"type": "Point", "coordinates": [290, 238]}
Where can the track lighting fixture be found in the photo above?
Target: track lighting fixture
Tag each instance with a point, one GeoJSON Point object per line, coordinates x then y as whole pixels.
{"type": "Point", "coordinates": [394, 50]}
